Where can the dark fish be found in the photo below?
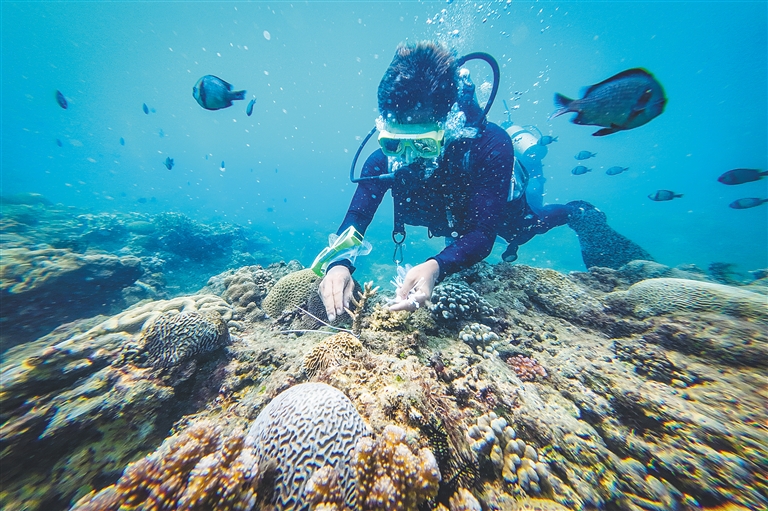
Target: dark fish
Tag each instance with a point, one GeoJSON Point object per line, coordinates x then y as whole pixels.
{"type": "Point", "coordinates": [741, 176]}
{"type": "Point", "coordinates": [249, 108]}
{"type": "Point", "coordinates": [585, 155]}
{"type": "Point", "coordinates": [145, 108]}
{"type": "Point", "coordinates": [141, 200]}
{"type": "Point", "coordinates": [122, 141]}
{"type": "Point", "coordinates": [662, 195]}
{"type": "Point", "coordinates": [546, 140]}
{"type": "Point", "coordinates": [169, 163]}
{"type": "Point", "coordinates": [613, 171]}
{"type": "Point", "coordinates": [61, 100]}
{"type": "Point", "coordinates": [213, 93]}
{"type": "Point", "coordinates": [222, 164]}
{"type": "Point", "coordinates": [622, 102]}
{"type": "Point", "coordinates": [58, 143]}
{"type": "Point", "coordinates": [749, 202]}
{"type": "Point", "coordinates": [579, 170]}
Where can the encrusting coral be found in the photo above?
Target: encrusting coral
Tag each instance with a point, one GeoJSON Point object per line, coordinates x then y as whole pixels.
{"type": "Point", "coordinates": [654, 297]}
{"type": "Point", "coordinates": [289, 292]}
{"type": "Point", "coordinates": [331, 351]}
{"type": "Point", "coordinates": [526, 368]}
{"type": "Point", "coordinates": [390, 476]}
{"type": "Point", "coordinates": [175, 338]}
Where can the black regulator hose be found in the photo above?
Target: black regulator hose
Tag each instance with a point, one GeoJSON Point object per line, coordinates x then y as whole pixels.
{"type": "Point", "coordinates": [479, 55]}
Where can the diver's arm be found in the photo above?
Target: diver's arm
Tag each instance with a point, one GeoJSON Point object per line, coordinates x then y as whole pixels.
{"type": "Point", "coordinates": [492, 171]}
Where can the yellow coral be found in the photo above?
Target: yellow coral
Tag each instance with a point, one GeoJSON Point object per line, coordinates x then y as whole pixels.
{"type": "Point", "coordinates": [389, 476]}
{"type": "Point", "coordinates": [289, 292]}
{"type": "Point", "coordinates": [384, 319]}
{"type": "Point", "coordinates": [200, 468]}
{"type": "Point", "coordinates": [330, 352]}
{"type": "Point", "coordinates": [532, 504]}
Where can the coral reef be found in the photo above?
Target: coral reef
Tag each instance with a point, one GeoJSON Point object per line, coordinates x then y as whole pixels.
{"type": "Point", "coordinates": [457, 301]}
{"type": "Point", "coordinates": [172, 339]}
{"type": "Point", "coordinates": [390, 476]}
{"type": "Point", "coordinates": [655, 297]}
{"type": "Point", "coordinates": [526, 368]}
{"type": "Point", "coordinates": [384, 320]}
{"type": "Point", "coordinates": [462, 500]}
{"type": "Point", "coordinates": [313, 425]}
{"type": "Point", "coordinates": [368, 293]}
{"type": "Point", "coordinates": [330, 352]}
{"type": "Point", "coordinates": [289, 292]}
{"type": "Point", "coordinates": [44, 287]}
{"type": "Point", "coordinates": [202, 467]}
{"type": "Point", "coordinates": [246, 288]}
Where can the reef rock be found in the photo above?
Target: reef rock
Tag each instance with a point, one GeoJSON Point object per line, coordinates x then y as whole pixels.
{"type": "Point", "coordinates": [42, 288]}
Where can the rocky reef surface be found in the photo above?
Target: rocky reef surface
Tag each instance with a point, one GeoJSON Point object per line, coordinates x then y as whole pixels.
{"type": "Point", "coordinates": [520, 388]}
{"type": "Point", "coordinates": [62, 263]}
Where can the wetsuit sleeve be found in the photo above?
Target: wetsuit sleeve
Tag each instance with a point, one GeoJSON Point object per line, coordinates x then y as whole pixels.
{"type": "Point", "coordinates": [492, 160]}
{"type": "Point", "coordinates": [366, 200]}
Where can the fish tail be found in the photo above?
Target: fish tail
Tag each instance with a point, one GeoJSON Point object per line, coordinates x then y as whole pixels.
{"type": "Point", "coordinates": [563, 105]}
{"type": "Point", "coordinates": [765, 173]}
{"type": "Point", "coordinates": [677, 195]}
{"type": "Point", "coordinates": [237, 94]}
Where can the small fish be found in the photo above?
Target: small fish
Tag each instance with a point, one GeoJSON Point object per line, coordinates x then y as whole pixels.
{"type": "Point", "coordinates": [122, 141]}
{"type": "Point", "coordinates": [249, 108]}
{"type": "Point", "coordinates": [546, 140]}
{"type": "Point", "coordinates": [145, 108]}
{"type": "Point", "coordinates": [585, 155]}
{"type": "Point", "coordinates": [741, 176]}
{"type": "Point", "coordinates": [169, 163]}
{"type": "Point", "coordinates": [61, 100]}
{"type": "Point", "coordinates": [141, 200]}
{"type": "Point", "coordinates": [58, 143]}
{"type": "Point", "coordinates": [223, 168]}
{"type": "Point", "coordinates": [161, 133]}
{"type": "Point", "coordinates": [579, 170]}
{"type": "Point", "coordinates": [213, 93]}
{"type": "Point", "coordinates": [622, 102]}
{"type": "Point", "coordinates": [749, 202]}
{"type": "Point", "coordinates": [614, 171]}
{"type": "Point", "coordinates": [664, 195]}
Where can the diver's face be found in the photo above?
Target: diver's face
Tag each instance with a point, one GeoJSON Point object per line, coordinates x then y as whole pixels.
{"type": "Point", "coordinates": [411, 142]}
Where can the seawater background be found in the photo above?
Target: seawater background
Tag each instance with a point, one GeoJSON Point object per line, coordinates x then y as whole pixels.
{"type": "Point", "coordinates": [314, 69]}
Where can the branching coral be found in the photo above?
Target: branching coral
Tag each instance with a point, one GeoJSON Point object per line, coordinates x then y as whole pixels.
{"type": "Point", "coordinates": [202, 467]}
{"type": "Point", "coordinates": [390, 476]}
{"type": "Point", "coordinates": [362, 299]}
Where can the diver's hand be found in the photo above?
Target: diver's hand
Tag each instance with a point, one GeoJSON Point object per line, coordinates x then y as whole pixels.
{"type": "Point", "coordinates": [336, 290]}
{"type": "Point", "coordinates": [417, 287]}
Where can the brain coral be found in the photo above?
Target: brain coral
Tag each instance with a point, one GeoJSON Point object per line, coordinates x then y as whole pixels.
{"type": "Point", "coordinates": [654, 297]}
{"type": "Point", "coordinates": [329, 352]}
{"type": "Point", "coordinates": [310, 425]}
{"type": "Point", "coordinates": [175, 338]}
{"type": "Point", "coordinates": [290, 292]}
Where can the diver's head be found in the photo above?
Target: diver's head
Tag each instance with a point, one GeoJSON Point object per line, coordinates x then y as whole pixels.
{"type": "Point", "coordinates": [419, 86]}
{"type": "Point", "coordinates": [415, 96]}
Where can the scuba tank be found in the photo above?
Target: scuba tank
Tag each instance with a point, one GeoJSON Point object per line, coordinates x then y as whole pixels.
{"type": "Point", "coordinates": [528, 156]}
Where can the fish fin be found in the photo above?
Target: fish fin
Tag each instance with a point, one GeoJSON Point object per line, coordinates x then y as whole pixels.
{"type": "Point", "coordinates": [639, 108]}
{"type": "Point", "coordinates": [607, 131]}
{"type": "Point", "coordinates": [563, 105]}
{"type": "Point", "coordinates": [238, 94]}
{"type": "Point", "coordinates": [226, 84]}
{"type": "Point", "coordinates": [637, 71]}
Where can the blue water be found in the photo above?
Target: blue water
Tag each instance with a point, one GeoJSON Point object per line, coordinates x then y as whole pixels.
{"type": "Point", "coordinates": [314, 69]}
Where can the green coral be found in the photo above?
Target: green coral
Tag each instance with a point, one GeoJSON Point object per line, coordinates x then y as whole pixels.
{"type": "Point", "coordinates": [654, 297]}
{"type": "Point", "coordinates": [289, 292]}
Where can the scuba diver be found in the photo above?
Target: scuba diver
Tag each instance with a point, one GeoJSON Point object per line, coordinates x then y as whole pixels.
{"type": "Point", "coordinates": [448, 169]}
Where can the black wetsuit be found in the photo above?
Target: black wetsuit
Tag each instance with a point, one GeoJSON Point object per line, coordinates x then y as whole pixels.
{"type": "Point", "coordinates": [465, 199]}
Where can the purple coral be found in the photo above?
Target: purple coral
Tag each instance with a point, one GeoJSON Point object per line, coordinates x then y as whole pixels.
{"type": "Point", "coordinates": [526, 368]}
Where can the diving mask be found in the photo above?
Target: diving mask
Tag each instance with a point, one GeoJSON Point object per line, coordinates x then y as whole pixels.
{"type": "Point", "coordinates": [348, 245]}
{"type": "Point", "coordinates": [424, 140]}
